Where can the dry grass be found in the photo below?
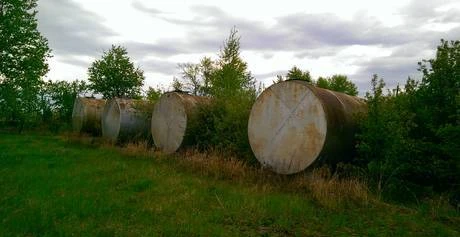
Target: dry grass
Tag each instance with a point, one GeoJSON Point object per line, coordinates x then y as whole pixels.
{"type": "Point", "coordinates": [439, 209]}
{"type": "Point", "coordinates": [330, 191]}
{"type": "Point", "coordinates": [140, 148]}
{"type": "Point", "coordinates": [81, 138]}
{"type": "Point", "coordinates": [320, 184]}
{"type": "Point", "coordinates": [215, 165]}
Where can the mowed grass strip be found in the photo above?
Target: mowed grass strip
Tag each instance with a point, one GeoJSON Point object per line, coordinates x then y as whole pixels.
{"type": "Point", "coordinates": [50, 187]}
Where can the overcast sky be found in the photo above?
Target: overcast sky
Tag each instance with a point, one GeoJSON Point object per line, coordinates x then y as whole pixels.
{"type": "Point", "coordinates": [355, 37]}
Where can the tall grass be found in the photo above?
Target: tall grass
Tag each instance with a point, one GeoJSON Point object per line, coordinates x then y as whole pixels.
{"type": "Point", "coordinates": [324, 187]}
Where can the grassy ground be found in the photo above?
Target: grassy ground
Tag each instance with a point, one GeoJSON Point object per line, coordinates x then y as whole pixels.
{"type": "Point", "coordinates": [51, 186]}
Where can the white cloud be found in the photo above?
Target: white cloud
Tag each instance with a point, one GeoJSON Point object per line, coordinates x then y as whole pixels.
{"type": "Point", "coordinates": [354, 37]}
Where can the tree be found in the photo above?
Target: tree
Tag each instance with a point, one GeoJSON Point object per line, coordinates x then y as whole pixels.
{"type": "Point", "coordinates": [57, 99]}
{"type": "Point", "coordinates": [153, 94]}
{"type": "Point", "coordinates": [223, 122]}
{"type": "Point", "coordinates": [191, 75]}
{"type": "Point", "coordinates": [23, 61]}
{"type": "Point", "coordinates": [437, 105]}
{"type": "Point", "coordinates": [207, 68]}
{"type": "Point", "coordinates": [231, 77]}
{"type": "Point", "coordinates": [386, 148]}
{"type": "Point", "coordinates": [195, 78]}
{"type": "Point", "coordinates": [322, 82]}
{"type": "Point", "coordinates": [279, 79]}
{"type": "Point", "coordinates": [177, 85]}
{"type": "Point", "coordinates": [440, 85]}
{"type": "Point", "coordinates": [338, 83]}
{"type": "Point", "coordinates": [114, 75]}
{"type": "Point", "coordinates": [296, 74]}
{"type": "Point", "coordinates": [409, 140]}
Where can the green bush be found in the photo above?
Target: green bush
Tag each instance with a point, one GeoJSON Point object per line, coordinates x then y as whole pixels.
{"type": "Point", "coordinates": [409, 140]}
{"type": "Point", "coordinates": [56, 103]}
{"type": "Point", "coordinates": [222, 124]}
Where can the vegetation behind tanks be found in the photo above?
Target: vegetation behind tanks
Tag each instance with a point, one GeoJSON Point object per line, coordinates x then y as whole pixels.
{"type": "Point", "coordinates": [222, 124]}
{"type": "Point", "coordinates": [409, 142]}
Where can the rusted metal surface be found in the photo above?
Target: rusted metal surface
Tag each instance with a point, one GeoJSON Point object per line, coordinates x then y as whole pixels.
{"type": "Point", "coordinates": [126, 120]}
{"type": "Point", "coordinates": [86, 115]}
{"type": "Point", "coordinates": [170, 117]}
{"type": "Point", "coordinates": [294, 125]}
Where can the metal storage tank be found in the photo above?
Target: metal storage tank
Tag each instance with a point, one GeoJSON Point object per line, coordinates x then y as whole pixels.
{"type": "Point", "coordinates": [86, 115]}
{"type": "Point", "coordinates": [126, 119]}
{"type": "Point", "coordinates": [170, 117]}
{"type": "Point", "coordinates": [293, 125]}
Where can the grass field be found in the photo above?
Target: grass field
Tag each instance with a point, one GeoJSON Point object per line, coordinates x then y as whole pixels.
{"type": "Point", "coordinates": [53, 186]}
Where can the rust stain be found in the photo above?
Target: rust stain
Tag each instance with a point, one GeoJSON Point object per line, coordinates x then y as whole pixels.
{"type": "Point", "coordinates": [87, 115]}
{"type": "Point", "coordinates": [313, 141]}
{"type": "Point", "coordinates": [306, 137]}
{"type": "Point", "coordinates": [173, 112]}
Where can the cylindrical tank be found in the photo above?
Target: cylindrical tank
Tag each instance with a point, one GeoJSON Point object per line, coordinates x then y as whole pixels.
{"type": "Point", "coordinates": [86, 115]}
{"type": "Point", "coordinates": [170, 117]}
{"type": "Point", "coordinates": [126, 119]}
{"type": "Point", "coordinates": [293, 125]}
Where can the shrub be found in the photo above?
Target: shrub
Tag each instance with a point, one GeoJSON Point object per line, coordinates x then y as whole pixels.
{"type": "Point", "coordinates": [222, 124]}
{"type": "Point", "coordinates": [409, 140]}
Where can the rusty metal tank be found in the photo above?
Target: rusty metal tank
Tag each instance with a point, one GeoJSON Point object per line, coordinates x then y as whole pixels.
{"type": "Point", "coordinates": [293, 125]}
{"type": "Point", "coordinates": [126, 120]}
{"type": "Point", "coordinates": [86, 115]}
{"type": "Point", "coordinates": [170, 117]}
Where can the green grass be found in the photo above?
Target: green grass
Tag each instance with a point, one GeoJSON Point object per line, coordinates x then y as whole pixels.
{"type": "Point", "coordinates": [52, 187]}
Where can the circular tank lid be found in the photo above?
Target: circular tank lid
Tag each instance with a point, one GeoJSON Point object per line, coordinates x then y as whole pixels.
{"type": "Point", "coordinates": [169, 122]}
{"type": "Point", "coordinates": [111, 119]}
{"type": "Point", "coordinates": [287, 127]}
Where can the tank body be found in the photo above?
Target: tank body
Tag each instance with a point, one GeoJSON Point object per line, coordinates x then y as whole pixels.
{"type": "Point", "coordinates": [293, 125]}
{"type": "Point", "coordinates": [126, 119]}
{"type": "Point", "coordinates": [170, 117]}
{"type": "Point", "coordinates": [86, 115]}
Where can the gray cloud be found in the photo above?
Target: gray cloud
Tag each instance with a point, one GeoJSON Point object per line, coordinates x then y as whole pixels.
{"type": "Point", "coordinates": [271, 74]}
{"type": "Point", "coordinates": [140, 7]}
{"type": "Point", "coordinates": [394, 70]}
{"type": "Point", "coordinates": [420, 12]}
{"type": "Point", "coordinates": [75, 62]}
{"type": "Point", "coordinates": [328, 29]}
{"type": "Point", "coordinates": [159, 66]}
{"type": "Point", "coordinates": [70, 29]}
{"type": "Point", "coordinates": [73, 31]}
{"type": "Point", "coordinates": [410, 50]}
{"type": "Point", "coordinates": [316, 53]}
{"type": "Point", "coordinates": [140, 50]}
{"type": "Point", "coordinates": [303, 31]}
{"type": "Point", "coordinates": [453, 34]}
{"type": "Point", "coordinates": [320, 35]}
{"type": "Point", "coordinates": [268, 55]}
{"type": "Point", "coordinates": [291, 33]}
{"type": "Point", "coordinates": [451, 16]}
